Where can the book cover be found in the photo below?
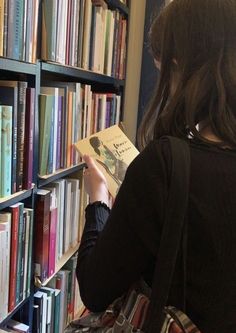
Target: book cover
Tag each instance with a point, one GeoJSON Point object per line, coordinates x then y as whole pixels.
{"type": "Point", "coordinates": [112, 151]}
{"type": "Point", "coordinates": [30, 215]}
{"type": "Point", "coordinates": [19, 253]}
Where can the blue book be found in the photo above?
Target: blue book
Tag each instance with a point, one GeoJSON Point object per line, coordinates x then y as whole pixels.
{"type": "Point", "coordinates": [6, 150]}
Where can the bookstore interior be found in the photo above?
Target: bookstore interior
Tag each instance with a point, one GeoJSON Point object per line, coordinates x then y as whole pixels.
{"type": "Point", "coordinates": [69, 69]}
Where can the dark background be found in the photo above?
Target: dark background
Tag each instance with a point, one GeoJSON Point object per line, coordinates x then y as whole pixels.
{"type": "Point", "coordinates": [149, 72]}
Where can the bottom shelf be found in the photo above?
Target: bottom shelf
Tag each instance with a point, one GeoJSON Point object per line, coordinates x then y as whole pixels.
{"type": "Point", "coordinates": [10, 314]}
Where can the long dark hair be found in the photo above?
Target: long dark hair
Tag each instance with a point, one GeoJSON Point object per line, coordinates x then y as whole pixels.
{"type": "Point", "coordinates": [195, 42]}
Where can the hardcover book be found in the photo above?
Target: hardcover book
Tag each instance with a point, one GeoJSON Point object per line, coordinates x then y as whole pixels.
{"type": "Point", "coordinates": [112, 151]}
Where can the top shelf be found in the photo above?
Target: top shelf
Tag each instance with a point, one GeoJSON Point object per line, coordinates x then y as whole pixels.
{"type": "Point", "coordinates": [80, 74]}
{"type": "Point", "coordinates": [117, 4]}
{"type": "Point", "coordinates": [17, 66]}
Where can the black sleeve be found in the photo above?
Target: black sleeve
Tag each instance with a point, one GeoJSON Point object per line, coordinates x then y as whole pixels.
{"type": "Point", "coordinates": [115, 253]}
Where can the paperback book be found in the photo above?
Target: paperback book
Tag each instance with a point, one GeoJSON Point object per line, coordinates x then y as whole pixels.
{"type": "Point", "coordinates": [112, 151]}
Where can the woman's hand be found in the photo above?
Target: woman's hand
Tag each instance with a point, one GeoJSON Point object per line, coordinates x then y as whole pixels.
{"type": "Point", "coordinates": [95, 182]}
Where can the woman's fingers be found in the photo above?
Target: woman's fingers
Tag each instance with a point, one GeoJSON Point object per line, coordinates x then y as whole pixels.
{"type": "Point", "coordinates": [89, 161]}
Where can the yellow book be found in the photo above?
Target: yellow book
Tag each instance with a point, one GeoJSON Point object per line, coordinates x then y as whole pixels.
{"type": "Point", "coordinates": [1, 26]}
{"type": "Point", "coordinates": [112, 152]}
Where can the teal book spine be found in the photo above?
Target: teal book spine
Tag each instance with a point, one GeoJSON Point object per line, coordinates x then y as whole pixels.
{"type": "Point", "coordinates": [19, 253]}
{"type": "Point", "coordinates": [6, 150]}
{"type": "Point", "coordinates": [46, 108]}
{"type": "Point", "coordinates": [57, 311]}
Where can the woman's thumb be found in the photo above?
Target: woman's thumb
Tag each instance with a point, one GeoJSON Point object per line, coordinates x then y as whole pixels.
{"type": "Point", "coordinates": [89, 161]}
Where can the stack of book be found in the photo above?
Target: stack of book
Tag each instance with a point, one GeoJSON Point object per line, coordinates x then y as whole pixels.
{"type": "Point", "coordinates": [68, 113]}
{"type": "Point", "coordinates": [86, 34]}
{"type": "Point", "coordinates": [16, 234]}
{"type": "Point", "coordinates": [18, 29]}
{"type": "Point", "coordinates": [17, 104]}
{"type": "Point", "coordinates": [59, 302]}
{"type": "Point", "coordinates": [57, 224]}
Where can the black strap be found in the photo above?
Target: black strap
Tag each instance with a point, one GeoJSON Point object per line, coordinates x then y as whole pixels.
{"type": "Point", "coordinates": [171, 234]}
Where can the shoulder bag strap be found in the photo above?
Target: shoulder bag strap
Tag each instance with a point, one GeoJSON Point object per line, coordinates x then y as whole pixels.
{"type": "Point", "coordinates": [171, 235]}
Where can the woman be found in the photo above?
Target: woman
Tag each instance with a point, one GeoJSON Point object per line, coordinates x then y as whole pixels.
{"type": "Point", "coordinates": [194, 43]}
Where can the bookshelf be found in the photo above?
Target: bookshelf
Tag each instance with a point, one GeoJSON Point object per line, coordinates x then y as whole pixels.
{"type": "Point", "coordinates": [37, 75]}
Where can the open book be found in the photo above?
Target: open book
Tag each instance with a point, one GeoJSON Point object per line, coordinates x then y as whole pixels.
{"type": "Point", "coordinates": [112, 151]}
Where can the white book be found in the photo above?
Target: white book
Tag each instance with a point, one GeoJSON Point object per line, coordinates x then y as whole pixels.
{"type": "Point", "coordinates": [60, 194]}
{"type": "Point", "coordinates": [97, 39]}
{"type": "Point", "coordinates": [43, 296]}
{"type": "Point", "coordinates": [68, 213]}
{"type": "Point", "coordinates": [87, 32]}
{"type": "Point", "coordinates": [63, 275]}
{"type": "Point", "coordinates": [5, 228]}
{"type": "Point", "coordinates": [89, 111]}
{"type": "Point", "coordinates": [75, 190]}
{"type": "Point", "coordinates": [110, 43]}
{"type": "Point", "coordinates": [17, 326]}
{"type": "Point", "coordinates": [103, 41]}
{"type": "Point", "coordinates": [118, 105]}
{"type": "Point", "coordinates": [26, 250]}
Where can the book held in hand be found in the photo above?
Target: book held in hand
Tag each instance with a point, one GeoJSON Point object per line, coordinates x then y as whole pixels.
{"type": "Point", "coordinates": [112, 152]}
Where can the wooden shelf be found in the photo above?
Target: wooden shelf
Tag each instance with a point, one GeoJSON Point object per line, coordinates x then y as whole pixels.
{"type": "Point", "coordinates": [80, 74]}
{"type": "Point", "coordinates": [116, 4]}
{"type": "Point", "coordinates": [63, 260]}
{"type": "Point", "coordinates": [44, 180]}
{"type": "Point", "coordinates": [10, 314]}
{"type": "Point", "coordinates": [14, 198]}
{"type": "Point", "coordinates": [16, 66]}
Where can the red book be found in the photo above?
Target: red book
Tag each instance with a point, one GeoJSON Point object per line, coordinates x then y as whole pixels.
{"type": "Point", "coordinates": [29, 133]}
{"type": "Point", "coordinates": [52, 242]}
{"type": "Point", "coordinates": [13, 261]}
{"type": "Point", "coordinates": [42, 221]}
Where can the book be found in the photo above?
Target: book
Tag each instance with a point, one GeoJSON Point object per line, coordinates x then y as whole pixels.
{"type": "Point", "coordinates": [112, 152]}
{"type": "Point", "coordinates": [6, 150]}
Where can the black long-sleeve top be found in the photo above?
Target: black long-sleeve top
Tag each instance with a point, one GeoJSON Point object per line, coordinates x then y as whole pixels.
{"type": "Point", "coordinates": [120, 245]}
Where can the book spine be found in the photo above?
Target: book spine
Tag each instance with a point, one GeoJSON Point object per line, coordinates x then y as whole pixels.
{"type": "Point", "coordinates": [19, 254]}
{"type": "Point", "coordinates": [31, 221]}
{"type": "Point", "coordinates": [1, 26]}
{"type": "Point", "coordinates": [60, 106]}
{"type": "Point", "coordinates": [6, 150]}
{"type": "Point", "coordinates": [23, 258]}
{"type": "Point", "coordinates": [10, 28]}
{"type": "Point", "coordinates": [14, 142]}
{"type": "Point", "coordinates": [21, 133]}
{"type": "Point", "coordinates": [5, 28]}
{"type": "Point", "coordinates": [52, 242]}
{"type": "Point", "coordinates": [17, 33]}
{"type": "Point", "coordinates": [46, 106]}
{"type": "Point", "coordinates": [29, 132]}
{"type": "Point", "coordinates": [42, 210]}
{"type": "Point", "coordinates": [51, 140]}
{"type": "Point", "coordinates": [0, 151]}
{"type": "Point", "coordinates": [13, 262]}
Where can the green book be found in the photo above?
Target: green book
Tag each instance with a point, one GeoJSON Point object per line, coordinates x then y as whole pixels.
{"type": "Point", "coordinates": [46, 109]}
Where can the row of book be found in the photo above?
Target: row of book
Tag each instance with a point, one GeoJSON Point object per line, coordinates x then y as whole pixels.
{"type": "Point", "coordinates": [16, 234]}
{"type": "Point", "coordinates": [19, 29]}
{"type": "Point", "coordinates": [17, 105]}
{"type": "Point", "coordinates": [57, 304]}
{"type": "Point", "coordinates": [86, 34]}
{"type": "Point", "coordinates": [68, 113]}
{"type": "Point", "coordinates": [57, 224]}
